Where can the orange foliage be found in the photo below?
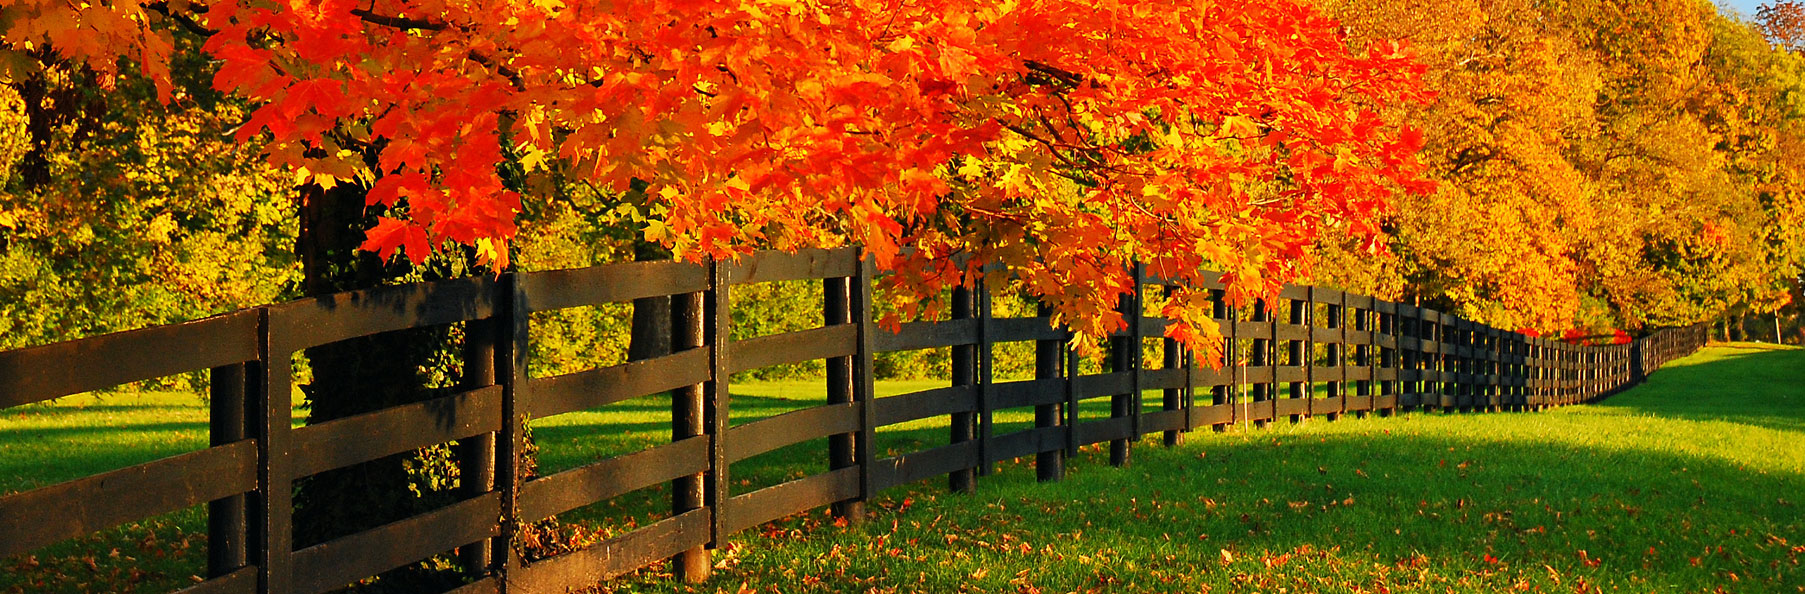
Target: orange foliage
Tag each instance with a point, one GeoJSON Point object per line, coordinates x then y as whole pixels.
{"type": "Point", "coordinates": [1064, 138]}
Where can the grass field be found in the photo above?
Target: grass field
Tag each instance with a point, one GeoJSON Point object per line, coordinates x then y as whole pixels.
{"type": "Point", "coordinates": [1690, 483]}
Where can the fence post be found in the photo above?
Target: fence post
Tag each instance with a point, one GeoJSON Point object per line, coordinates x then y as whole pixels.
{"type": "Point", "coordinates": [1261, 355]}
{"type": "Point", "coordinates": [273, 526]}
{"type": "Point", "coordinates": [688, 421]}
{"type": "Point", "coordinates": [1335, 318]}
{"type": "Point", "coordinates": [514, 328]}
{"type": "Point", "coordinates": [717, 333]}
{"type": "Point", "coordinates": [1137, 353]}
{"type": "Point", "coordinates": [1297, 352]}
{"type": "Point", "coordinates": [1071, 398]}
{"type": "Point", "coordinates": [836, 301]}
{"type": "Point", "coordinates": [1363, 356]}
{"type": "Point", "coordinates": [964, 374]}
{"type": "Point", "coordinates": [864, 386]}
{"type": "Point", "coordinates": [1048, 362]}
{"type": "Point", "coordinates": [986, 351]}
{"type": "Point", "coordinates": [1172, 356]}
{"type": "Point", "coordinates": [226, 518]}
{"type": "Point", "coordinates": [1223, 394]}
{"type": "Point", "coordinates": [1124, 353]}
{"type": "Point", "coordinates": [476, 455]}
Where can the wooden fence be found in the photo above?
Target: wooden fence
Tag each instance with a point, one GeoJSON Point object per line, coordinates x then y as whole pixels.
{"type": "Point", "coordinates": [1314, 353]}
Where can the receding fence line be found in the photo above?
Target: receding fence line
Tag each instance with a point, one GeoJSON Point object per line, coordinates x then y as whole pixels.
{"type": "Point", "coordinates": [1366, 355]}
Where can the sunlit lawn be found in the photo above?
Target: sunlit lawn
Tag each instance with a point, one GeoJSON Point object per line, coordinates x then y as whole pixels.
{"type": "Point", "coordinates": [1691, 483]}
{"type": "Point", "coordinates": [1635, 495]}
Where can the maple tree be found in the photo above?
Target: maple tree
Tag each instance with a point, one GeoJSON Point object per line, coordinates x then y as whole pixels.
{"type": "Point", "coordinates": [1602, 165]}
{"type": "Point", "coordinates": [1783, 22]}
{"type": "Point", "coordinates": [1183, 134]}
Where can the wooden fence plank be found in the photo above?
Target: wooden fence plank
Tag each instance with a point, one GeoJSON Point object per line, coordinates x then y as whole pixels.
{"type": "Point", "coordinates": [362, 438]}
{"type": "Point", "coordinates": [611, 283]}
{"type": "Point", "coordinates": [329, 565]}
{"type": "Point", "coordinates": [924, 404]}
{"type": "Point", "coordinates": [312, 322]}
{"type": "Point", "coordinates": [825, 342]}
{"type": "Point", "coordinates": [1106, 384]}
{"type": "Point", "coordinates": [54, 370]}
{"type": "Point", "coordinates": [66, 510]}
{"type": "Point", "coordinates": [241, 581]}
{"type": "Point", "coordinates": [1028, 442]}
{"type": "Point", "coordinates": [606, 479]}
{"type": "Point", "coordinates": [771, 503]}
{"type": "Point", "coordinates": [928, 335]}
{"type": "Point", "coordinates": [776, 266]}
{"type": "Point", "coordinates": [797, 426]}
{"type": "Point", "coordinates": [591, 388]}
{"type": "Point", "coordinates": [1027, 393]}
{"type": "Point", "coordinates": [584, 569]}
{"type": "Point", "coordinates": [1101, 430]}
{"type": "Point", "coordinates": [1023, 329]}
{"type": "Point", "coordinates": [925, 464]}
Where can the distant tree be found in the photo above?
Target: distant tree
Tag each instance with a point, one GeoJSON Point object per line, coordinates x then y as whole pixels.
{"type": "Point", "coordinates": [1784, 23]}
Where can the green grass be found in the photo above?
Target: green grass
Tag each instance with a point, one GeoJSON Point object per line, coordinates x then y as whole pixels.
{"type": "Point", "coordinates": [1690, 483]}
{"type": "Point", "coordinates": [1636, 494]}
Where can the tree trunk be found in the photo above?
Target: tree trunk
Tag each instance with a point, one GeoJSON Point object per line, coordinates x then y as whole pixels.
{"type": "Point", "coordinates": [651, 334]}
{"type": "Point", "coordinates": [368, 374]}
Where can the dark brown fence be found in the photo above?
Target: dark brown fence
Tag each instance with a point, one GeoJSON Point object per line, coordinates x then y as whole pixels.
{"type": "Point", "coordinates": [1312, 353]}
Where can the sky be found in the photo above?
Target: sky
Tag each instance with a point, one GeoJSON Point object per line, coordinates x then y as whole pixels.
{"type": "Point", "coordinates": [1746, 7]}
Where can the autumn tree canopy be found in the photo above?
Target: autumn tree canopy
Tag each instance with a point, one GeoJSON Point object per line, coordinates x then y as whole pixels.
{"type": "Point", "coordinates": [1063, 138]}
{"type": "Point", "coordinates": [1601, 164]}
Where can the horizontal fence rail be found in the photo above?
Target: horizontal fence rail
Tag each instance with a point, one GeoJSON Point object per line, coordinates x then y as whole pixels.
{"type": "Point", "coordinates": [1310, 353]}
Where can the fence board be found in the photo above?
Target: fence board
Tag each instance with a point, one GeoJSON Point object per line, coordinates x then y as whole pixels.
{"type": "Point", "coordinates": [65, 510]}
{"type": "Point", "coordinates": [771, 503]}
{"type": "Point", "coordinates": [925, 464]}
{"type": "Point", "coordinates": [581, 570]}
{"type": "Point", "coordinates": [1107, 384]}
{"type": "Point", "coordinates": [1159, 379]}
{"type": "Point", "coordinates": [797, 426]}
{"type": "Point", "coordinates": [915, 336]}
{"type": "Point", "coordinates": [329, 565]}
{"type": "Point", "coordinates": [1163, 420]}
{"type": "Point", "coordinates": [43, 372]}
{"type": "Point", "coordinates": [1217, 414]}
{"type": "Point", "coordinates": [924, 404]}
{"type": "Point", "coordinates": [825, 342]}
{"type": "Point", "coordinates": [591, 388]}
{"type": "Point", "coordinates": [1101, 430]}
{"type": "Point", "coordinates": [1027, 393]}
{"type": "Point", "coordinates": [547, 496]}
{"type": "Point", "coordinates": [776, 266]}
{"type": "Point", "coordinates": [242, 581]}
{"type": "Point", "coordinates": [611, 283]}
{"type": "Point", "coordinates": [362, 438]}
{"type": "Point", "coordinates": [1023, 329]}
{"type": "Point", "coordinates": [321, 320]}
{"type": "Point", "coordinates": [1028, 442]}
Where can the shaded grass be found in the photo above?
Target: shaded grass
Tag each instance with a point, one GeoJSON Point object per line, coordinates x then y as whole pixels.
{"type": "Point", "coordinates": [1635, 495]}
